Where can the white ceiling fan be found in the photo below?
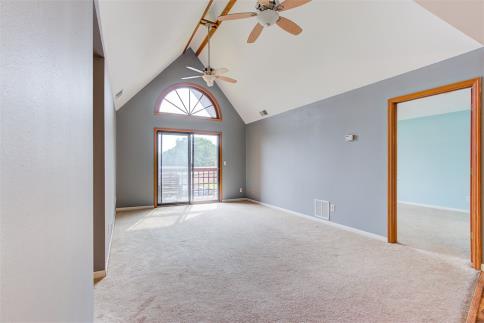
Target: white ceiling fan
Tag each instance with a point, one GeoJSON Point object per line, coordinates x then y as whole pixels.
{"type": "Point", "coordinates": [209, 74]}
{"type": "Point", "coordinates": [267, 15]}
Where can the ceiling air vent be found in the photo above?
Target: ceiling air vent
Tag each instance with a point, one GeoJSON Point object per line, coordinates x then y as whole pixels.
{"type": "Point", "coordinates": [263, 113]}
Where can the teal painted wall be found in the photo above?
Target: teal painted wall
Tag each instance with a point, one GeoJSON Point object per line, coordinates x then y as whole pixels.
{"type": "Point", "coordinates": [434, 160]}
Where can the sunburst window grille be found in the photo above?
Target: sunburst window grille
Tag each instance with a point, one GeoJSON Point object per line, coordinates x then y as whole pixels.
{"type": "Point", "coordinates": [189, 101]}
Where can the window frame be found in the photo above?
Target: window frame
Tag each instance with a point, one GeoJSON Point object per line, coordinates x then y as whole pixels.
{"type": "Point", "coordinates": [194, 86]}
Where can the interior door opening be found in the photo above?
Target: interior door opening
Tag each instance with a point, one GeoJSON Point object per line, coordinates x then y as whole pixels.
{"type": "Point", "coordinates": [433, 173]}
{"type": "Point", "coordinates": [434, 193]}
{"type": "Point", "coordinates": [187, 167]}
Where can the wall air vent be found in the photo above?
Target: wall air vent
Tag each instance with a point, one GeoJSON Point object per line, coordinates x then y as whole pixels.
{"type": "Point", "coordinates": [321, 209]}
{"type": "Point", "coordinates": [263, 113]}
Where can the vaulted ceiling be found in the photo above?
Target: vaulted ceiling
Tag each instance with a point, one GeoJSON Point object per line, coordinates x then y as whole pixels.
{"type": "Point", "coordinates": [344, 45]}
{"type": "Point", "coordinates": [141, 38]}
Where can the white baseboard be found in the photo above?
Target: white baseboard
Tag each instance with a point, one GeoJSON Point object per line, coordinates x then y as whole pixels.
{"type": "Point", "coordinates": [103, 273]}
{"type": "Point", "coordinates": [133, 208]}
{"type": "Point", "coordinates": [110, 243]}
{"type": "Point", "coordinates": [437, 207]}
{"type": "Point", "coordinates": [333, 224]}
{"type": "Point", "coordinates": [235, 200]}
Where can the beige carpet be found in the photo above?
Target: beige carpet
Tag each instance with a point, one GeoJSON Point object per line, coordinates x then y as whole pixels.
{"type": "Point", "coordinates": [242, 262]}
{"type": "Point", "coordinates": [440, 231]}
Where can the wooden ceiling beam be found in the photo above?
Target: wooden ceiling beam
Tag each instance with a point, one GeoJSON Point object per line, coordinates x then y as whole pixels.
{"type": "Point", "coordinates": [198, 24]}
{"type": "Point", "coordinates": [212, 31]}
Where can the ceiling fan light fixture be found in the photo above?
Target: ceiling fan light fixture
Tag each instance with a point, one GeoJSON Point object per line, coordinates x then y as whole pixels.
{"type": "Point", "coordinates": [209, 74]}
{"type": "Point", "coordinates": [267, 17]}
{"type": "Point", "coordinates": [209, 79]}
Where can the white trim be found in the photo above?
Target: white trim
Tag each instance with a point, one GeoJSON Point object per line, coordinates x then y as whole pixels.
{"type": "Point", "coordinates": [110, 243]}
{"type": "Point", "coordinates": [333, 224]}
{"type": "Point", "coordinates": [133, 208]}
{"type": "Point", "coordinates": [235, 200]}
{"type": "Point", "coordinates": [434, 207]}
{"type": "Point", "coordinates": [103, 273]}
{"type": "Point", "coordinates": [99, 274]}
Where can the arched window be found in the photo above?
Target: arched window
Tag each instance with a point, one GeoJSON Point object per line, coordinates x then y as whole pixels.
{"type": "Point", "coordinates": [188, 99]}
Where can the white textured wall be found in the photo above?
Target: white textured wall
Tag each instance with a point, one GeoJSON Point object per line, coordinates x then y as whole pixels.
{"type": "Point", "coordinates": [46, 161]}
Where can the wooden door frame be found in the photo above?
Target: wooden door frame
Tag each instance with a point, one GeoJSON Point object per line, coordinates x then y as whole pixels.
{"type": "Point", "coordinates": [188, 131]}
{"type": "Point", "coordinates": [475, 178]}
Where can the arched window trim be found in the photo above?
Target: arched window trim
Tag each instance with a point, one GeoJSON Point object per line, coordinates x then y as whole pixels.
{"type": "Point", "coordinates": [195, 86]}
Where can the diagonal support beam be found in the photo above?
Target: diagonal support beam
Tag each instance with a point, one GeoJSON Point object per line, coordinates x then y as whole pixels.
{"type": "Point", "coordinates": [199, 22]}
{"type": "Point", "coordinates": [212, 31]}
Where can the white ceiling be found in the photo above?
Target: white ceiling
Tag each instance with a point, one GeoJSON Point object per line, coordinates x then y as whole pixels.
{"type": "Point", "coordinates": [454, 101]}
{"type": "Point", "coordinates": [215, 9]}
{"type": "Point", "coordinates": [141, 38]}
{"type": "Point", "coordinates": [344, 45]}
{"type": "Point", "coordinates": [465, 15]}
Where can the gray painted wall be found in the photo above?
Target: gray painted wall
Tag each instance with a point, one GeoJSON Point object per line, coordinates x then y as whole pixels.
{"type": "Point", "coordinates": [300, 155]}
{"type": "Point", "coordinates": [104, 115]}
{"type": "Point", "coordinates": [46, 255]}
{"type": "Point", "coordinates": [135, 124]}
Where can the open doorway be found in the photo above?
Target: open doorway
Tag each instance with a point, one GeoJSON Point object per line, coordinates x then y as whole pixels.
{"type": "Point", "coordinates": [433, 181]}
{"type": "Point", "coordinates": [187, 167]}
{"type": "Point", "coordinates": [434, 170]}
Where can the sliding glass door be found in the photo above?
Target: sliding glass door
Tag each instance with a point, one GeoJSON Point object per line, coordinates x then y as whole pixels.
{"type": "Point", "coordinates": [187, 167]}
{"type": "Point", "coordinates": [205, 181]}
{"type": "Point", "coordinates": [173, 167]}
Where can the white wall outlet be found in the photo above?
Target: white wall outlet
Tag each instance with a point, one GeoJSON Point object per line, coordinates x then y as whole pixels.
{"type": "Point", "coordinates": [241, 190]}
{"type": "Point", "coordinates": [331, 208]}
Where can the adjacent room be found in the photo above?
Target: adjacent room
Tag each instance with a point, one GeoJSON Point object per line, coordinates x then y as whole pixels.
{"type": "Point", "coordinates": [434, 142]}
{"type": "Point", "coordinates": [241, 161]}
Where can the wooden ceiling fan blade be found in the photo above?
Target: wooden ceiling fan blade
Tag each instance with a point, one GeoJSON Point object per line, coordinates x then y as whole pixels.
{"type": "Point", "coordinates": [191, 77]}
{"type": "Point", "coordinates": [255, 33]}
{"type": "Point", "coordinates": [226, 79]}
{"type": "Point", "coordinates": [289, 4]}
{"type": "Point", "coordinates": [221, 70]}
{"type": "Point", "coordinates": [289, 26]}
{"type": "Point", "coordinates": [234, 16]}
{"type": "Point", "coordinates": [194, 69]}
